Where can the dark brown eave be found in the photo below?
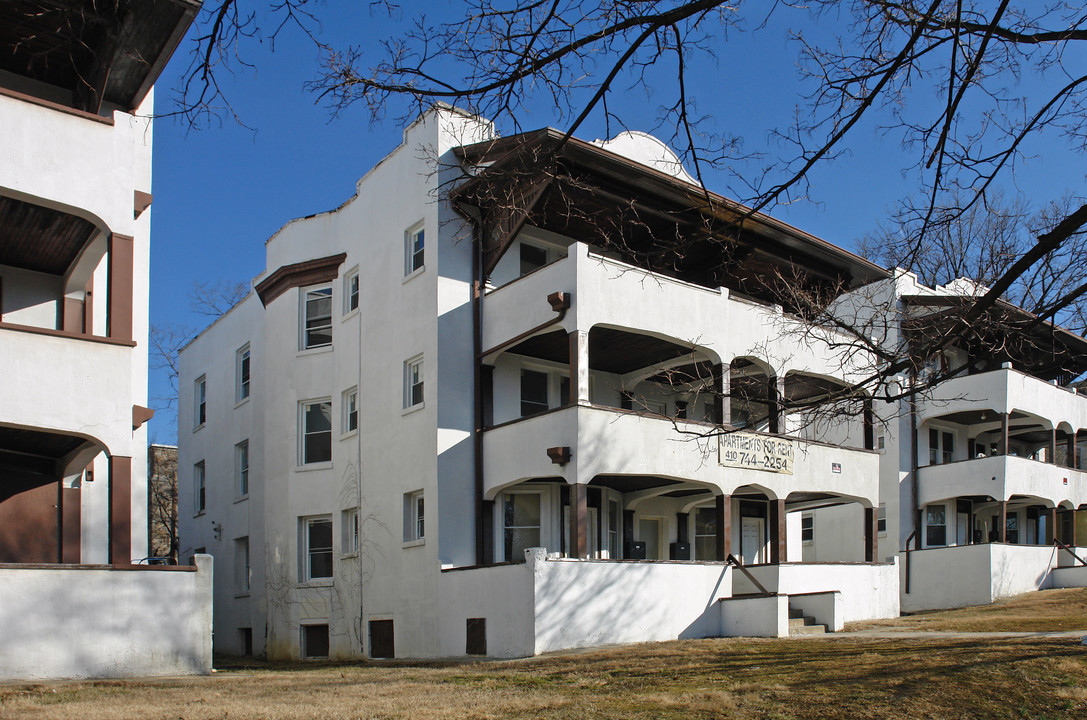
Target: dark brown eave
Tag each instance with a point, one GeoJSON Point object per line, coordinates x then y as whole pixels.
{"type": "Point", "coordinates": [301, 274]}
{"type": "Point", "coordinates": [107, 51]}
{"type": "Point", "coordinates": [782, 241]}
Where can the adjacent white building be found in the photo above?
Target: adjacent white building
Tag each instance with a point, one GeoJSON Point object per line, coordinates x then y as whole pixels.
{"type": "Point", "coordinates": [457, 415]}
{"type": "Point", "coordinates": [75, 186]}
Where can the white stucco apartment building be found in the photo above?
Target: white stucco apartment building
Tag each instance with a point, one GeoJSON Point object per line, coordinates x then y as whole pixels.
{"type": "Point", "coordinates": [75, 186]}
{"type": "Point", "coordinates": [455, 417]}
{"type": "Point", "coordinates": [982, 467]}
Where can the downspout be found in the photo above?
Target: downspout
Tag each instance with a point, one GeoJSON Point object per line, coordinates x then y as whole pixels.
{"type": "Point", "coordinates": [477, 381]}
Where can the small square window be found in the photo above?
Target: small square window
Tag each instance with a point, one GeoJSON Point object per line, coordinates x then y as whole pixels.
{"type": "Point", "coordinates": [350, 523]}
{"type": "Point", "coordinates": [414, 243]}
{"type": "Point", "coordinates": [200, 487]}
{"type": "Point", "coordinates": [316, 547]}
{"type": "Point", "coordinates": [414, 517]}
{"type": "Point", "coordinates": [351, 292]}
{"type": "Point", "coordinates": [314, 641]}
{"type": "Point", "coordinates": [315, 441]}
{"type": "Point", "coordinates": [241, 374]}
{"type": "Point", "coordinates": [241, 468]}
{"type": "Point", "coordinates": [316, 318]}
{"type": "Point", "coordinates": [200, 395]}
{"type": "Point", "coordinates": [413, 382]}
{"type": "Point", "coordinates": [350, 404]}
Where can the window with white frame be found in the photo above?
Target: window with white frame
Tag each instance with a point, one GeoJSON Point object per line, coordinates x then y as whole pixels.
{"type": "Point", "coordinates": [350, 420]}
{"type": "Point", "coordinates": [936, 525]}
{"type": "Point", "coordinates": [241, 565]}
{"type": "Point", "coordinates": [807, 528]}
{"type": "Point", "coordinates": [351, 292]}
{"type": "Point", "coordinates": [241, 374]}
{"type": "Point", "coordinates": [881, 519]}
{"type": "Point", "coordinates": [414, 517]}
{"type": "Point", "coordinates": [316, 547]}
{"type": "Point", "coordinates": [199, 487]}
{"type": "Point", "coordinates": [705, 533]}
{"type": "Point", "coordinates": [241, 468]}
{"type": "Point", "coordinates": [315, 438]}
{"type": "Point", "coordinates": [316, 317]}
{"type": "Point", "coordinates": [414, 244]}
{"type": "Point", "coordinates": [200, 398]}
{"type": "Point", "coordinates": [349, 520]}
{"type": "Point", "coordinates": [413, 382]}
{"type": "Point", "coordinates": [520, 523]}
{"type": "Point", "coordinates": [941, 446]}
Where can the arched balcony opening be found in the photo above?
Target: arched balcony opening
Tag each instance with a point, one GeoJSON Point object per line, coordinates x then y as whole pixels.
{"type": "Point", "coordinates": [827, 409]}
{"type": "Point", "coordinates": [754, 395]}
{"type": "Point", "coordinates": [42, 474]}
{"type": "Point", "coordinates": [828, 527]}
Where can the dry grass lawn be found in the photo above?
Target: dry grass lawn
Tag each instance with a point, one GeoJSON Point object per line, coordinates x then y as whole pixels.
{"type": "Point", "coordinates": [848, 677]}
{"type": "Point", "coordinates": [1045, 611]}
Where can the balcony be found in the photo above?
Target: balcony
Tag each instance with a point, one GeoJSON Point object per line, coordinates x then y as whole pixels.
{"type": "Point", "coordinates": [966, 398]}
{"type": "Point", "coordinates": [1001, 477]}
{"type": "Point", "coordinates": [609, 442]}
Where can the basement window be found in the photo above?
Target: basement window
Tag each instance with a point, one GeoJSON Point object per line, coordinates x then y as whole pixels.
{"type": "Point", "coordinates": [314, 641]}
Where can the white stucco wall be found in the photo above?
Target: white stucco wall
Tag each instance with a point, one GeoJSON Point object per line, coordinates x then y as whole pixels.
{"type": "Point", "coordinates": [869, 591]}
{"type": "Point", "coordinates": [762, 616]}
{"type": "Point", "coordinates": [975, 574]}
{"type": "Point", "coordinates": [504, 595]}
{"type": "Point", "coordinates": [94, 622]}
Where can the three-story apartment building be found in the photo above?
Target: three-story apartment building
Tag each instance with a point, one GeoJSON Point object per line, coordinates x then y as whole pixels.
{"type": "Point", "coordinates": [518, 394]}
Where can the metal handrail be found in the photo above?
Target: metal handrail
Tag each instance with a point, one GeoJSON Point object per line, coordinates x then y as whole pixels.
{"type": "Point", "coordinates": [1069, 550]}
{"type": "Point", "coordinates": [731, 560]}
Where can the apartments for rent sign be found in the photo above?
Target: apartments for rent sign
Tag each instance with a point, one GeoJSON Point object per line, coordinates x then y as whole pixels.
{"type": "Point", "coordinates": [757, 452]}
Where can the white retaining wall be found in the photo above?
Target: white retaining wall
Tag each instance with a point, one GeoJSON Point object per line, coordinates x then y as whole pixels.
{"type": "Point", "coordinates": [869, 591]}
{"type": "Point", "coordinates": [100, 622]}
{"type": "Point", "coordinates": [975, 574]}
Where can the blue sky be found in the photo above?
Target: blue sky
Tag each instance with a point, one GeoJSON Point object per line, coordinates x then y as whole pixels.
{"type": "Point", "coordinates": [222, 190]}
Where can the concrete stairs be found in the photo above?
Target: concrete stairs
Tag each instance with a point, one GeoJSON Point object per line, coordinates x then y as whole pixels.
{"type": "Point", "coordinates": [800, 624]}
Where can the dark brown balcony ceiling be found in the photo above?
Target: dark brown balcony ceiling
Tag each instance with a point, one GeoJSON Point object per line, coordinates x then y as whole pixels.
{"type": "Point", "coordinates": [610, 350]}
{"type": "Point", "coordinates": [37, 238]}
{"type": "Point", "coordinates": [650, 219]}
{"type": "Point", "coordinates": [98, 50]}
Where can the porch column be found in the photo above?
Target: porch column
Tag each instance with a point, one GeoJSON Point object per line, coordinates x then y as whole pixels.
{"type": "Point", "coordinates": [871, 534]}
{"type": "Point", "coordinates": [1002, 519]}
{"type": "Point", "coordinates": [579, 367]}
{"type": "Point", "coordinates": [869, 425]}
{"type": "Point", "coordinates": [775, 391]}
{"type": "Point", "coordinates": [777, 531]}
{"type": "Point", "coordinates": [579, 529]}
{"type": "Point", "coordinates": [120, 510]}
{"type": "Point", "coordinates": [1051, 451]}
{"type": "Point", "coordinates": [1003, 442]}
{"type": "Point", "coordinates": [723, 526]}
{"type": "Point", "coordinates": [1075, 539]}
{"type": "Point", "coordinates": [119, 287]}
{"type": "Point", "coordinates": [1051, 526]}
{"type": "Point", "coordinates": [487, 520]}
{"type": "Point", "coordinates": [722, 404]}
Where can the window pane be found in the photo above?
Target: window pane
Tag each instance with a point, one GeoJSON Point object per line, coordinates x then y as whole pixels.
{"type": "Point", "coordinates": [319, 536]}
{"type": "Point", "coordinates": [318, 317]}
{"type": "Point", "coordinates": [318, 448]}
{"type": "Point", "coordinates": [318, 417]}
{"type": "Point", "coordinates": [522, 509]}
{"type": "Point", "coordinates": [533, 392]}
{"type": "Point", "coordinates": [705, 548]}
{"type": "Point", "coordinates": [705, 521]}
{"type": "Point", "coordinates": [518, 540]}
{"type": "Point", "coordinates": [531, 258]}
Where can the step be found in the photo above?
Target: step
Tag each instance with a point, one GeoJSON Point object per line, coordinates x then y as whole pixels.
{"type": "Point", "coordinates": [808, 630]}
{"type": "Point", "coordinates": [799, 622]}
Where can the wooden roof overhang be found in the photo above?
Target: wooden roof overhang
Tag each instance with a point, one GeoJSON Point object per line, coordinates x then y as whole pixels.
{"type": "Point", "coordinates": [99, 50]}
{"type": "Point", "coordinates": [1005, 333]}
{"type": "Point", "coordinates": [34, 237]}
{"type": "Point", "coordinates": [652, 219]}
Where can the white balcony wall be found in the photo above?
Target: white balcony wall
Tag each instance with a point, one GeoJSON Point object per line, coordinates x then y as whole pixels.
{"type": "Point", "coordinates": [30, 298]}
{"type": "Point", "coordinates": [69, 385]}
{"type": "Point", "coordinates": [1000, 477]}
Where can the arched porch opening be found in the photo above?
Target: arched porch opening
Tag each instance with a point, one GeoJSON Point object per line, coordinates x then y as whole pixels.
{"type": "Point", "coordinates": [827, 409]}
{"type": "Point", "coordinates": [829, 527]}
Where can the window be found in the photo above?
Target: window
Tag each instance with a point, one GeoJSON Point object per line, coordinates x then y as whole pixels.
{"type": "Point", "coordinates": [350, 522]}
{"type": "Point", "coordinates": [241, 468]}
{"type": "Point", "coordinates": [533, 392]}
{"type": "Point", "coordinates": [314, 641]}
{"type": "Point", "coordinates": [532, 258]}
{"type": "Point", "coordinates": [936, 522]}
{"type": "Point", "coordinates": [520, 524]}
{"type": "Point", "coordinates": [241, 374]}
{"type": "Point", "coordinates": [705, 533]}
{"type": "Point", "coordinates": [316, 318]}
{"type": "Point", "coordinates": [881, 519]}
{"type": "Point", "coordinates": [241, 565]}
{"type": "Point", "coordinates": [382, 639]}
{"type": "Point", "coordinates": [414, 517]}
{"type": "Point", "coordinates": [316, 440]}
{"type": "Point", "coordinates": [413, 250]}
{"type": "Point", "coordinates": [807, 528]}
{"type": "Point", "coordinates": [351, 292]}
{"type": "Point", "coordinates": [350, 410]}
{"type": "Point", "coordinates": [200, 488]}
{"type": "Point", "coordinates": [413, 382]}
{"type": "Point", "coordinates": [941, 447]}
{"type": "Point", "coordinates": [1011, 528]}
{"type": "Point", "coordinates": [200, 411]}
{"type": "Point", "coordinates": [317, 547]}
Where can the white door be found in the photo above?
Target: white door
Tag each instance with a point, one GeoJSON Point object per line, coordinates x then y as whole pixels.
{"type": "Point", "coordinates": [751, 541]}
{"type": "Point", "coordinates": [649, 531]}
